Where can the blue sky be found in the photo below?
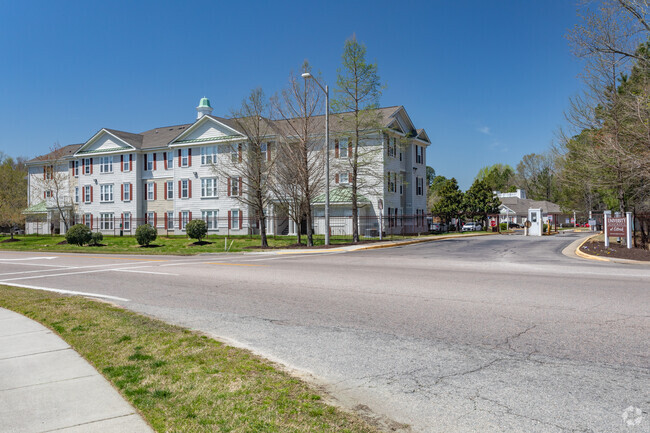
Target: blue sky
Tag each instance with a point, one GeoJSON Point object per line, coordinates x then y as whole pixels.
{"type": "Point", "coordinates": [488, 80]}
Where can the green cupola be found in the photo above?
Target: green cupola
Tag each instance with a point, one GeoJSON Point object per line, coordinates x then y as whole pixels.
{"type": "Point", "coordinates": [203, 108]}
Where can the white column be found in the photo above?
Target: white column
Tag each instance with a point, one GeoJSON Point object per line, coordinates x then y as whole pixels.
{"type": "Point", "coordinates": [628, 237]}
{"type": "Point", "coordinates": [606, 214]}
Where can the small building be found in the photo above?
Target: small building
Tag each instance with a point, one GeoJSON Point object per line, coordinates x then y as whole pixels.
{"type": "Point", "coordinates": [514, 209]}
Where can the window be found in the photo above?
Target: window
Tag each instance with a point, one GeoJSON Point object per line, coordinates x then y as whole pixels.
{"type": "Point", "coordinates": [185, 218]}
{"type": "Point", "coordinates": [419, 154]}
{"type": "Point", "coordinates": [185, 158]}
{"type": "Point", "coordinates": [234, 218]}
{"type": "Point", "coordinates": [76, 168]}
{"type": "Point", "coordinates": [234, 186]}
{"type": "Point", "coordinates": [170, 220]}
{"type": "Point", "coordinates": [149, 218]}
{"type": "Point", "coordinates": [150, 191]}
{"type": "Point", "coordinates": [211, 218]}
{"type": "Point", "coordinates": [106, 164]}
{"type": "Point", "coordinates": [88, 193]}
{"type": "Point", "coordinates": [392, 182]}
{"type": "Point", "coordinates": [48, 172]}
{"type": "Point", "coordinates": [106, 221]}
{"type": "Point", "coordinates": [169, 187]}
{"type": "Point", "coordinates": [126, 192]}
{"type": "Point", "coordinates": [264, 148]}
{"type": "Point", "coordinates": [401, 188]}
{"type": "Point", "coordinates": [208, 155]}
{"type": "Point", "coordinates": [185, 188]}
{"type": "Point", "coordinates": [235, 153]}
{"type": "Point", "coordinates": [127, 160]}
{"type": "Point", "coordinates": [88, 220]}
{"type": "Point", "coordinates": [170, 160]}
{"type": "Point", "coordinates": [48, 194]}
{"type": "Point", "coordinates": [343, 149]}
{"type": "Point", "coordinates": [148, 162]}
{"type": "Point", "coordinates": [76, 194]}
{"type": "Point", "coordinates": [209, 187]}
{"type": "Point", "coordinates": [419, 185]}
{"type": "Point", "coordinates": [87, 165]}
{"type": "Point", "coordinates": [106, 193]}
{"type": "Point", "coordinates": [344, 177]}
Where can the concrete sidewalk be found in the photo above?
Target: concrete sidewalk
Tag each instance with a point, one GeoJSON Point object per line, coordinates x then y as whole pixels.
{"type": "Point", "coordinates": [45, 386]}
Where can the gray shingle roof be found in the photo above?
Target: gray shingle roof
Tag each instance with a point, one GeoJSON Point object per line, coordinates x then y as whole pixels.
{"type": "Point", "coordinates": [521, 205]}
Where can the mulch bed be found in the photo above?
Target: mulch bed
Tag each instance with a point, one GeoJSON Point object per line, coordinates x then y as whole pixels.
{"type": "Point", "coordinates": [63, 243]}
{"type": "Point", "coordinates": [201, 243]}
{"type": "Point", "coordinates": [596, 248]}
{"type": "Point", "coordinates": [10, 240]}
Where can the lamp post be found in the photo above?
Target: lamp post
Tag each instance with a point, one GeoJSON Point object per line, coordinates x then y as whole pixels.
{"type": "Point", "coordinates": [325, 89]}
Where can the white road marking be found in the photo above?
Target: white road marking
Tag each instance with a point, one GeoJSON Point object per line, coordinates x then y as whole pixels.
{"type": "Point", "coordinates": [36, 264]}
{"type": "Point", "coordinates": [69, 292]}
{"type": "Point", "coordinates": [143, 272]}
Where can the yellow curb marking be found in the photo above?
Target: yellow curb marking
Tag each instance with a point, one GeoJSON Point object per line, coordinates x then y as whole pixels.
{"type": "Point", "coordinates": [589, 256]}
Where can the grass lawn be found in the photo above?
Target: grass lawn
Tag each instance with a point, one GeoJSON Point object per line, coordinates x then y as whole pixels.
{"type": "Point", "coordinates": [181, 381]}
{"type": "Point", "coordinates": [177, 245]}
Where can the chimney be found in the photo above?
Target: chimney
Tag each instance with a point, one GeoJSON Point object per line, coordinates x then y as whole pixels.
{"type": "Point", "coordinates": [203, 108]}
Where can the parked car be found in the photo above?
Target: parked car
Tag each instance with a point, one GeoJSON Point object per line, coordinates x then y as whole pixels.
{"type": "Point", "coordinates": [472, 226]}
{"type": "Point", "coordinates": [514, 225]}
{"type": "Point", "coordinates": [438, 228]}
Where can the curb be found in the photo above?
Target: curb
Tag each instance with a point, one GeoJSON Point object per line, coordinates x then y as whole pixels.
{"type": "Point", "coordinates": [604, 259]}
{"type": "Point", "coordinates": [419, 241]}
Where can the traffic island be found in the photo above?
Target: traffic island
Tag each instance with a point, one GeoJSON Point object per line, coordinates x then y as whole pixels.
{"type": "Point", "coordinates": [595, 246]}
{"type": "Point", "coordinates": [180, 380]}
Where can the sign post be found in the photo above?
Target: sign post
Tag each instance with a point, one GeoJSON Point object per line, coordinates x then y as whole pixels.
{"type": "Point", "coordinates": [380, 205]}
{"type": "Point", "coordinates": [628, 237]}
{"type": "Point", "coordinates": [606, 215]}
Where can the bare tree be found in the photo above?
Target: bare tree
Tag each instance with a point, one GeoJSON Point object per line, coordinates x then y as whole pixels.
{"type": "Point", "coordinates": [55, 183]}
{"type": "Point", "coordinates": [251, 163]}
{"type": "Point", "coordinates": [358, 91]}
{"type": "Point", "coordinates": [301, 147]}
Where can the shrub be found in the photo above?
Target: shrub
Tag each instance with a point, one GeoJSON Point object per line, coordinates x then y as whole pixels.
{"type": "Point", "coordinates": [96, 238]}
{"type": "Point", "coordinates": [196, 229]}
{"type": "Point", "coordinates": [145, 234]}
{"type": "Point", "coordinates": [503, 226]}
{"type": "Point", "coordinates": [78, 234]}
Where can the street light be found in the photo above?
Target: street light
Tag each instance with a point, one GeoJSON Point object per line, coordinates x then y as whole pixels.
{"type": "Point", "coordinates": [325, 89]}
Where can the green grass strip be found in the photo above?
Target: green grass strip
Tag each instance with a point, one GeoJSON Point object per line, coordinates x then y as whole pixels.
{"type": "Point", "coordinates": [179, 380]}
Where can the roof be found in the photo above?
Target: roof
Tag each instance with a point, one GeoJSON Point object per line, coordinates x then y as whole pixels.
{"type": "Point", "coordinates": [37, 208]}
{"type": "Point", "coordinates": [521, 205]}
{"type": "Point", "coordinates": [340, 195]}
{"type": "Point", "coordinates": [160, 137]}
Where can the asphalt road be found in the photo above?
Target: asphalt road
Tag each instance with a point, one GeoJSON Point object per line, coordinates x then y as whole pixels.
{"type": "Point", "coordinates": [486, 334]}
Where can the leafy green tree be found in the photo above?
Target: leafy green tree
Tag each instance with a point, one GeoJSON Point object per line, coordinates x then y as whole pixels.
{"type": "Point", "coordinates": [13, 193]}
{"type": "Point", "coordinates": [433, 193]}
{"type": "Point", "coordinates": [96, 238]}
{"type": "Point", "coordinates": [498, 177]}
{"type": "Point", "coordinates": [480, 200]}
{"type": "Point", "coordinates": [450, 204]}
{"type": "Point", "coordinates": [358, 91]}
{"type": "Point", "coordinates": [196, 229]}
{"type": "Point", "coordinates": [78, 234]}
{"type": "Point", "coordinates": [431, 174]}
{"type": "Point", "coordinates": [145, 235]}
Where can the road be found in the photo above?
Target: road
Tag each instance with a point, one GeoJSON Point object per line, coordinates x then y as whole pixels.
{"type": "Point", "coordinates": [485, 334]}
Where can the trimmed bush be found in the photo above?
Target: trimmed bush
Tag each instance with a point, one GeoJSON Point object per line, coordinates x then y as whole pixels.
{"type": "Point", "coordinates": [196, 229]}
{"type": "Point", "coordinates": [96, 238]}
{"type": "Point", "coordinates": [78, 234]}
{"type": "Point", "coordinates": [503, 226]}
{"type": "Point", "coordinates": [145, 234]}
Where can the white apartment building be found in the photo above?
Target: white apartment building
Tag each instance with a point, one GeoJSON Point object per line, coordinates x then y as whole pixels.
{"type": "Point", "coordinates": [166, 177]}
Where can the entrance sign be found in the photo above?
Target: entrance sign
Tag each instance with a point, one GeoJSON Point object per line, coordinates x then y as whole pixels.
{"type": "Point", "coordinates": [617, 227]}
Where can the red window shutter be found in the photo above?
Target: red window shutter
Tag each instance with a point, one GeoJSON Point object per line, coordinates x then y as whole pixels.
{"type": "Point", "coordinates": [83, 219]}
{"type": "Point", "coordinates": [179, 189]}
{"type": "Point", "coordinates": [83, 165]}
{"type": "Point", "coordinates": [121, 162]}
{"type": "Point", "coordinates": [155, 219]}
{"type": "Point", "coordinates": [165, 160]}
{"type": "Point", "coordinates": [44, 171]}
{"type": "Point", "coordinates": [91, 167]}
{"type": "Point", "coordinates": [241, 219]}
{"type": "Point", "coordinates": [179, 158]}
{"type": "Point", "coordinates": [130, 161]}
{"type": "Point", "coordinates": [180, 220]}
{"type": "Point", "coordinates": [145, 160]}
{"type": "Point", "coordinates": [189, 188]}
{"type": "Point", "coordinates": [44, 194]}
{"type": "Point", "coordinates": [336, 148]}
{"type": "Point", "coordinates": [155, 191]}
{"type": "Point", "coordinates": [166, 220]}
{"type": "Point", "coordinates": [268, 151]}
{"type": "Point", "coordinates": [91, 193]}
{"type": "Point", "coordinates": [336, 178]}
{"type": "Point", "coordinates": [229, 181]}
{"type": "Point", "coordinates": [154, 161]}
{"type": "Point", "coordinates": [229, 220]}
{"type": "Point", "coordinates": [122, 222]}
{"type": "Point", "coordinates": [240, 185]}
{"type": "Point", "coordinates": [130, 191]}
{"type": "Point", "coordinates": [190, 216]}
{"type": "Point", "coordinates": [122, 193]}
{"type": "Point", "coordinates": [91, 218]}
{"type": "Point", "coordinates": [349, 149]}
{"type": "Point", "coordinates": [239, 148]}
{"type": "Point", "coordinates": [189, 157]}
{"type": "Point", "coordinates": [165, 190]}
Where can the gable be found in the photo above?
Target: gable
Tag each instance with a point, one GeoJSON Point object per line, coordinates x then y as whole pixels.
{"type": "Point", "coordinates": [206, 130]}
{"type": "Point", "coordinates": [104, 142]}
